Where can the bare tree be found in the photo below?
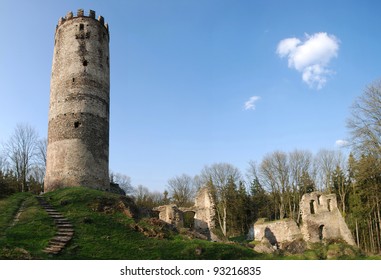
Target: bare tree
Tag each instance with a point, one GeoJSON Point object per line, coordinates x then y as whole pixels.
{"type": "Point", "coordinates": [300, 177]}
{"type": "Point", "coordinates": [21, 152]}
{"type": "Point", "coordinates": [3, 164]}
{"type": "Point", "coordinates": [275, 174]}
{"type": "Point", "coordinates": [364, 123]}
{"type": "Point", "coordinates": [252, 171]}
{"type": "Point", "coordinates": [326, 162]}
{"type": "Point", "coordinates": [181, 190]}
{"type": "Point", "coordinates": [123, 181]}
{"type": "Point", "coordinates": [41, 148]}
{"type": "Point", "coordinates": [218, 176]}
{"type": "Point", "coordinates": [144, 198]}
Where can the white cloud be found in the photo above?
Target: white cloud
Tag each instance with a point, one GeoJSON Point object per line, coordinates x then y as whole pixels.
{"type": "Point", "coordinates": [311, 57]}
{"type": "Point", "coordinates": [250, 104]}
{"type": "Point", "coordinates": [341, 143]}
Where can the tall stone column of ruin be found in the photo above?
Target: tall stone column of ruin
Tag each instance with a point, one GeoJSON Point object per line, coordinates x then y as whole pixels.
{"type": "Point", "coordinates": [78, 132]}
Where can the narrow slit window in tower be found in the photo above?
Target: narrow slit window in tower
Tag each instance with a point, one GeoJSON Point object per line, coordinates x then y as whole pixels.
{"type": "Point", "coordinates": [329, 205]}
{"type": "Point", "coordinates": [312, 208]}
{"type": "Point", "coordinates": [81, 26]}
{"type": "Point", "coordinates": [318, 197]}
{"type": "Point", "coordinates": [85, 63]}
{"type": "Point", "coordinates": [321, 232]}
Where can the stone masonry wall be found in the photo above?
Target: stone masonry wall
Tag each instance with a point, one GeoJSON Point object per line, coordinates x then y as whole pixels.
{"type": "Point", "coordinates": [321, 220]}
{"type": "Point", "coordinates": [277, 231]}
{"type": "Point", "coordinates": [78, 129]}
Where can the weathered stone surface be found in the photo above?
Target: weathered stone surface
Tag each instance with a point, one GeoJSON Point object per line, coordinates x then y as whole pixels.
{"type": "Point", "coordinates": [203, 214]}
{"type": "Point", "coordinates": [321, 220]}
{"type": "Point", "coordinates": [78, 132]}
{"type": "Point", "coordinates": [264, 247]}
{"type": "Point", "coordinates": [277, 232]}
{"type": "Point", "coordinates": [171, 214]}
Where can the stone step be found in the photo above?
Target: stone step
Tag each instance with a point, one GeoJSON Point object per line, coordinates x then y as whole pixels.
{"type": "Point", "coordinates": [55, 247]}
{"type": "Point", "coordinates": [51, 210]}
{"type": "Point", "coordinates": [59, 226]}
{"type": "Point", "coordinates": [56, 244]}
{"type": "Point", "coordinates": [52, 251]}
{"type": "Point", "coordinates": [61, 238]}
{"type": "Point", "coordinates": [56, 216]}
{"type": "Point", "coordinates": [64, 232]}
{"type": "Point", "coordinates": [61, 222]}
{"type": "Point", "coordinates": [68, 234]}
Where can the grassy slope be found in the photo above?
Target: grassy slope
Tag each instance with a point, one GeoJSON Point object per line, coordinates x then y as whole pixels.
{"type": "Point", "coordinates": [109, 236]}
{"type": "Point", "coordinates": [32, 232]}
{"type": "Point", "coordinates": [102, 236]}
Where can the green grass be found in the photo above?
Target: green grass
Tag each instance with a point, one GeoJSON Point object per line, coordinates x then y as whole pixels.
{"type": "Point", "coordinates": [9, 208]}
{"type": "Point", "coordinates": [109, 234]}
{"type": "Point", "coordinates": [112, 236]}
{"type": "Point", "coordinates": [30, 234]}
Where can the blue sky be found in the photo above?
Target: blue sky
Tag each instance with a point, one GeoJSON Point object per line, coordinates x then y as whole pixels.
{"type": "Point", "coordinates": [183, 74]}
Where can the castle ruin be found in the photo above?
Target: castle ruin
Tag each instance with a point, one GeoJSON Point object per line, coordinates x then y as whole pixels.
{"type": "Point", "coordinates": [321, 220]}
{"type": "Point", "coordinates": [204, 214]}
{"type": "Point", "coordinates": [78, 130]}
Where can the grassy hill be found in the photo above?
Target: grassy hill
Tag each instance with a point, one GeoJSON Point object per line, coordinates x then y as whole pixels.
{"type": "Point", "coordinates": [104, 230]}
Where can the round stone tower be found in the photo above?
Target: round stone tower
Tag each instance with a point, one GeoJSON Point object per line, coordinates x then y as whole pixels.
{"type": "Point", "coordinates": [78, 132]}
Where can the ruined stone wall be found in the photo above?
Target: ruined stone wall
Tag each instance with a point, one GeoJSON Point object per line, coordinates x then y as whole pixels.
{"type": "Point", "coordinates": [171, 215]}
{"type": "Point", "coordinates": [321, 219]}
{"type": "Point", "coordinates": [277, 231]}
{"type": "Point", "coordinates": [78, 130]}
{"type": "Point", "coordinates": [205, 213]}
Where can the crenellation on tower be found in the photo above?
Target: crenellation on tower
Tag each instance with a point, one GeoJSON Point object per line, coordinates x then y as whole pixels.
{"type": "Point", "coordinates": [101, 19]}
{"type": "Point", "coordinates": [81, 14]}
{"type": "Point", "coordinates": [69, 15]}
{"type": "Point", "coordinates": [92, 14]}
{"type": "Point", "coordinates": [61, 21]}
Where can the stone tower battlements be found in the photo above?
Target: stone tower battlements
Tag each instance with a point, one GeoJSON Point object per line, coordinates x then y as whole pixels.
{"type": "Point", "coordinates": [80, 13]}
{"type": "Point", "coordinates": [78, 129]}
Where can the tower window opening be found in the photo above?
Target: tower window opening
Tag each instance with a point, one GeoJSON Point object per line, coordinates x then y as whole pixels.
{"type": "Point", "coordinates": [81, 26]}
{"type": "Point", "coordinates": [312, 208]}
{"type": "Point", "coordinates": [85, 63]}
{"type": "Point", "coordinates": [321, 228]}
{"type": "Point", "coordinates": [77, 124]}
{"type": "Point", "coordinates": [318, 199]}
{"type": "Point", "coordinates": [329, 205]}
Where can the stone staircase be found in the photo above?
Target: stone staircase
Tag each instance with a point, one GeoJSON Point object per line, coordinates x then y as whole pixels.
{"type": "Point", "coordinates": [64, 232]}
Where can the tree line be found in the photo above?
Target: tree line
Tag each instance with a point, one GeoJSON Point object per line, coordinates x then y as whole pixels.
{"type": "Point", "coordinates": [271, 188]}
